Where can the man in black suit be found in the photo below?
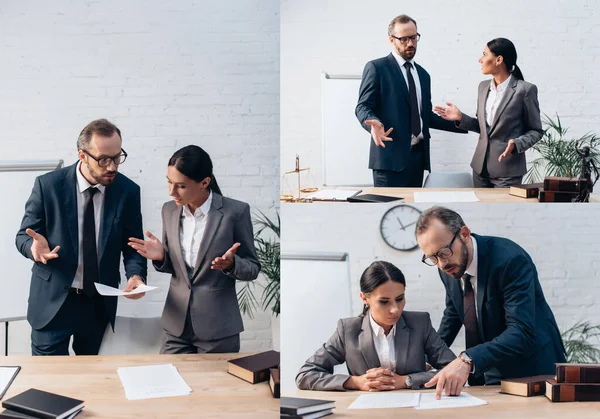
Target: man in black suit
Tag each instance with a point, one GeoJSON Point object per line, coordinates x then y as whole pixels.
{"type": "Point", "coordinates": [492, 288]}
{"type": "Point", "coordinates": [394, 105]}
{"type": "Point", "coordinates": [85, 213]}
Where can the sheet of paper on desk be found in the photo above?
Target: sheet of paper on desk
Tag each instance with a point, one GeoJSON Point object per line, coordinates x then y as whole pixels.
{"type": "Point", "coordinates": [114, 292]}
{"type": "Point", "coordinates": [428, 401]}
{"type": "Point", "coordinates": [332, 194]}
{"type": "Point", "coordinates": [153, 381]}
{"type": "Point", "coordinates": [385, 401]}
{"type": "Point", "coordinates": [446, 196]}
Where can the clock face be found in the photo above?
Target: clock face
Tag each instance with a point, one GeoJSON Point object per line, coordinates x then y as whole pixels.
{"type": "Point", "coordinates": [398, 227]}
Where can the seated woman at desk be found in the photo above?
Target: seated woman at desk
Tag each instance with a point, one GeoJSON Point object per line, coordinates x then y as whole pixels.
{"type": "Point", "coordinates": [207, 244]}
{"type": "Point", "coordinates": [384, 348]}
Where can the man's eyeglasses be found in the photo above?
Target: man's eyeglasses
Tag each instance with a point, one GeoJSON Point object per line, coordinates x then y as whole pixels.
{"type": "Point", "coordinates": [404, 40]}
{"type": "Point", "coordinates": [105, 161]}
{"type": "Point", "coordinates": [443, 253]}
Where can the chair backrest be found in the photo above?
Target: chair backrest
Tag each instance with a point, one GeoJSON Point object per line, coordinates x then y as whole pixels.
{"type": "Point", "coordinates": [449, 180]}
{"type": "Point", "coordinates": [133, 335]}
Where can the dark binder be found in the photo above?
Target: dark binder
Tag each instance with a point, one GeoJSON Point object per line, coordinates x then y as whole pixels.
{"type": "Point", "coordinates": [43, 405]}
{"type": "Point", "coordinates": [373, 198]}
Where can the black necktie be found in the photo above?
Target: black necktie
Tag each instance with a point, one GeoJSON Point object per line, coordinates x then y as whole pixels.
{"type": "Point", "coordinates": [90, 255]}
{"type": "Point", "coordinates": [471, 329]}
{"type": "Point", "coordinates": [415, 119]}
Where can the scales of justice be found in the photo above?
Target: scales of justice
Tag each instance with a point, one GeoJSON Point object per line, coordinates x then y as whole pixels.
{"type": "Point", "coordinates": [296, 182]}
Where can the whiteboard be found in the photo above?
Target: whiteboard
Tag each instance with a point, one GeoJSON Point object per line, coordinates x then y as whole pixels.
{"type": "Point", "coordinates": [345, 143]}
{"type": "Point", "coordinates": [16, 183]}
{"type": "Point", "coordinates": [315, 295]}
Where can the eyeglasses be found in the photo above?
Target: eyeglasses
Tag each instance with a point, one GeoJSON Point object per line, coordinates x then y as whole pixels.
{"type": "Point", "coordinates": [443, 253]}
{"type": "Point", "coordinates": [404, 40]}
{"type": "Point", "coordinates": [105, 161]}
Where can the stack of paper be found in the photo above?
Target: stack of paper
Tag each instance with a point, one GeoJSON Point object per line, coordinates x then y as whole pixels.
{"type": "Point", "coordinates": [428, 401]}
{"type": "Point", "coordinates": [333, 194]}
{"type": "Point", "coordinates": [446, 196]}
{"type": "Point", "coordinates": [107, 291]}
{"type": "Point", "coordinates": [385, 401]}
{"type": "Point", "coordinates": [154, 381]}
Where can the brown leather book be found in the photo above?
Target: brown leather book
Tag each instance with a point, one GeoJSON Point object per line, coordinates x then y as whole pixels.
{"type": "Point", "coordinates": [563, 184]}
{"type": "Point", "coordinates": [570, 392]}
{"type": "Point", "coordinates": [553, 196]}
{"type": "Point", "coordinates": [274, 382]}
{"type": "Point", "coordinates": [577, 373]}
{"type": "Point", "coordinates": [254, 368]}
{"type": "Point", "coordinates": [525, 386]}
{"type": "Point", "coordinates": [530, 190]}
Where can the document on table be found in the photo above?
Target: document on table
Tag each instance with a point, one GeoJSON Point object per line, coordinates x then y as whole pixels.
{"type": "Point", "coordinates": [385, 401]}
{"type": "Point", "coordinates": [428, 401]}
{"type": "Point", "coordinates": [153, 381]}
{"type": "Point", "coordinates": [332, 194]}
{"type": "Point", "coordinates": [7, 375]}
{"type": "Point", "coordinates": [114, 292]}
{"type": "Point", "coordinates": [446, 196]}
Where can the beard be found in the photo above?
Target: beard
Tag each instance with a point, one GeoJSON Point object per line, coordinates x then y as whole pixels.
{"type": "Point", "coordinates": [462, 263]}
{"type": "Point", "coordinates": [408, 54]}
{"type": "Point", "coordinates": [99, 177]}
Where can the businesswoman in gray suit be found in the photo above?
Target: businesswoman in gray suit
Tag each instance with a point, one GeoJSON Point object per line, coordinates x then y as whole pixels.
{"type": "Point", "coordinates": [207, 245]}
{"type": "Point", "coordinates": [508, 118]}
{"type": "Point", "coordinates": [384, 348]}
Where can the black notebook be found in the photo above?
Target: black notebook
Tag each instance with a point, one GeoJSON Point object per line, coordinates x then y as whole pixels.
{"type": "Point", "coordinates": [43, 405]}
{"type": "Point", "coordinates": [300, 407]}
{"type": "Point", "coordinates": [373, 198]}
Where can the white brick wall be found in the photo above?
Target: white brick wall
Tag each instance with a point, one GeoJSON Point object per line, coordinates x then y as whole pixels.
{"type": "Point", "coordinates": [168, 74]}
{"type": "Point", "coordinates": [561, 239]}
{"type": "Point", "coordinates": [557, 44]}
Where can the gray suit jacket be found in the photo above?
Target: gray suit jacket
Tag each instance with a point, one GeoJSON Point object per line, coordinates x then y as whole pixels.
{"type": "Point", "coordinates": [210, 294]}
{"type": "Point", "coordinates": [352, 343]}
{"type": "Point", "coordinates": [517, 118]}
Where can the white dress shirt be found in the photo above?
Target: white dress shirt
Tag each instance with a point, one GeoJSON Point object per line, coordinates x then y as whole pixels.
{"type": "Point", "coordinates": [191, 230]}
{"type": "Point", "coordinates": [98, 199]}
{"type": "Point", "coordinates": [384, 345]}
{"type": "Point", "coordinates": [495, 96]}
{"type": "Point", "coordinates": [472, 270]}
{"type": "Point", "coordinates": [415, 75]}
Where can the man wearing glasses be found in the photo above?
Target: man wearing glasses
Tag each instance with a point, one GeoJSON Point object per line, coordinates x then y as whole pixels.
{"type": "Point", "coordinates": [492, 288]}
{"type": "Point", "coordinates": [77, 223]}
{"type": "Point", "coordinates": [394, 105]}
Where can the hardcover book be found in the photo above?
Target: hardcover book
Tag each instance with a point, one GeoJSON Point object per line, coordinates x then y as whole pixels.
{"type": "Point", "coordinates": [577, 373]}
{"type": "Point", "coordinates": [525, 386]}
{"type": "Point", "coordinates": [571, 392]}
{"type": "Point", "coordinates": [254, 368]}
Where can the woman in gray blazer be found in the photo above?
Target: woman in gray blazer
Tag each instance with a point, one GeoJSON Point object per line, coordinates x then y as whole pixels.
{"type": "Point", "coordinates": [207, 244]}
{"type": "Point", "coordinates": [385, 348]}
{"type": "Point", "coordinates": [508, 118]}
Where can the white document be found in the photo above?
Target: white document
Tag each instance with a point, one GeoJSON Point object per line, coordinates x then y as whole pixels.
{"type": "Point", "coordinates": [153, 381]}
{"type": "Point", "coordinates": [113, 292]}
{"type": "Point", "coordinates": [332, 194]}
{"type": "Point", "coordinates": [446, 196]}
{"type": "Point", "coordinates": [6, 376]}
{"type": "Point", "coordinates": [428, 401]}
{"type": "Point", "coordinates": [385, 401]}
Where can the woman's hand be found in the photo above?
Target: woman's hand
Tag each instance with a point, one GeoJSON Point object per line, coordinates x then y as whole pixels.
{"type": "Point", "coordinates": [509, 149]}
{"type": "Point", "coordinates": [375, 379]}
{"type": "Point", "coordinates": [451, 113]}
{"type": "Point", "coordinates": [150, 249]}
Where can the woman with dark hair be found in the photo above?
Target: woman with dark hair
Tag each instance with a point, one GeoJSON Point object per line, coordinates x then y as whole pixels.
{"type": "Point", "coordinates": [385, 348]}
{"type": "Point", "coordinates": [207, 244]}
{"type": "Point", "coordinates": [508, 118]}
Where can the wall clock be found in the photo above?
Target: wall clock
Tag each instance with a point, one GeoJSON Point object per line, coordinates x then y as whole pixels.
{"type": "Point", "coordinates": [398, 227]}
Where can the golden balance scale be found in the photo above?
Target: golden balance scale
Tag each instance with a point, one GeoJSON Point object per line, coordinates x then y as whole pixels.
{"type": "Point", "coordinates": [288, 194]}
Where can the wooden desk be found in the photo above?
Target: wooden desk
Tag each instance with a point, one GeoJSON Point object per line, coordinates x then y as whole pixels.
{"type": "Point", "coordinates": [499, 406]}
{"type": "Point", "coordinates": [94, 379]}
{"type": "Point", "coordinates": [483, 194]}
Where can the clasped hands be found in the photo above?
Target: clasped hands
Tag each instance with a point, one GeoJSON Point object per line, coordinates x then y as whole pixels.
{"type": "Point", "coordinates": [376, 379]}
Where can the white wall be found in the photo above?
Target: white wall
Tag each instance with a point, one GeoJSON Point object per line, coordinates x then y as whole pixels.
{"type": "Point", "coordinates": [168, 74]}
{"type": "Point", "coordinates": [561, 239]}
{"type": "Point", "coordinates": [557, 43]}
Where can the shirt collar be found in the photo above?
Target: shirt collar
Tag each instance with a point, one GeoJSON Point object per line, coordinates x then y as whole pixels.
{"type": "Point", "coordinates": [401, 60]}
{"type": "Point", "coordinates": [501, 87]}
{"type": "Point", "coordinates": [472, 268]}
{"type": "Point", "coordinates": [83, 183]}
{"type": "Point", "coordinates": [378, 330]}
{"type": "Point", "coordinates": [202, 211]}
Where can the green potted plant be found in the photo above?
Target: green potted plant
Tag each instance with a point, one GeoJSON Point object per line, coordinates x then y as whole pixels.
{"type": "Point", "coordinates": [557, 155]}
{"type": "Point", "coordinates": [578, 348]}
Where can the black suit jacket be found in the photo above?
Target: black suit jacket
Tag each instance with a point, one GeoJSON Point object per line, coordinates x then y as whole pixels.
{"type": "Point", "coordinates": [51, 210]}
{"type": "Point", "coordinates": [519, 334]}
{"type": "Point", "coordinates": [384, 96]}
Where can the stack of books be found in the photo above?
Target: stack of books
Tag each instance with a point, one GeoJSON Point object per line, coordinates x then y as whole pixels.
{"type": "Point", "coordinates": [292, 407]}
{"type": "Point", "coordinates": [553, 189]}
{"type": "Point", "coordinates": [39, 404]}
{"type": "Point", "coordinates": [575, 383]}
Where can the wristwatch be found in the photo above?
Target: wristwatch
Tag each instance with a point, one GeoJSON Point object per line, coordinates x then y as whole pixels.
{"type": "Point", "coordinates": [464, 357]}
{"type": "Point", "coordinates": [408, 381]}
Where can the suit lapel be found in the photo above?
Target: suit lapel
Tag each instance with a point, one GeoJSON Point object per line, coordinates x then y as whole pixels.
{"type": "Point", "coordinates": [508, 94]}
{"type": "Point", "coordinates": [367, 346]}
{"type": "Point", "coordinates": [69, 192]}
{"type": "Point", "coordinates": [111, 200]}
{"type": "Point", "coordinates": [484, 91]}
{"type": "Point", "coordinates": [173, 225]}
{"type": "Point", "coordinates": [212, 225]}
{"type": "Point", "coordinates": [401, 344]}
{"type": "Point", "coordinates": [482, 277]}
{"type": "Point", "coordinates": [396, 70]}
